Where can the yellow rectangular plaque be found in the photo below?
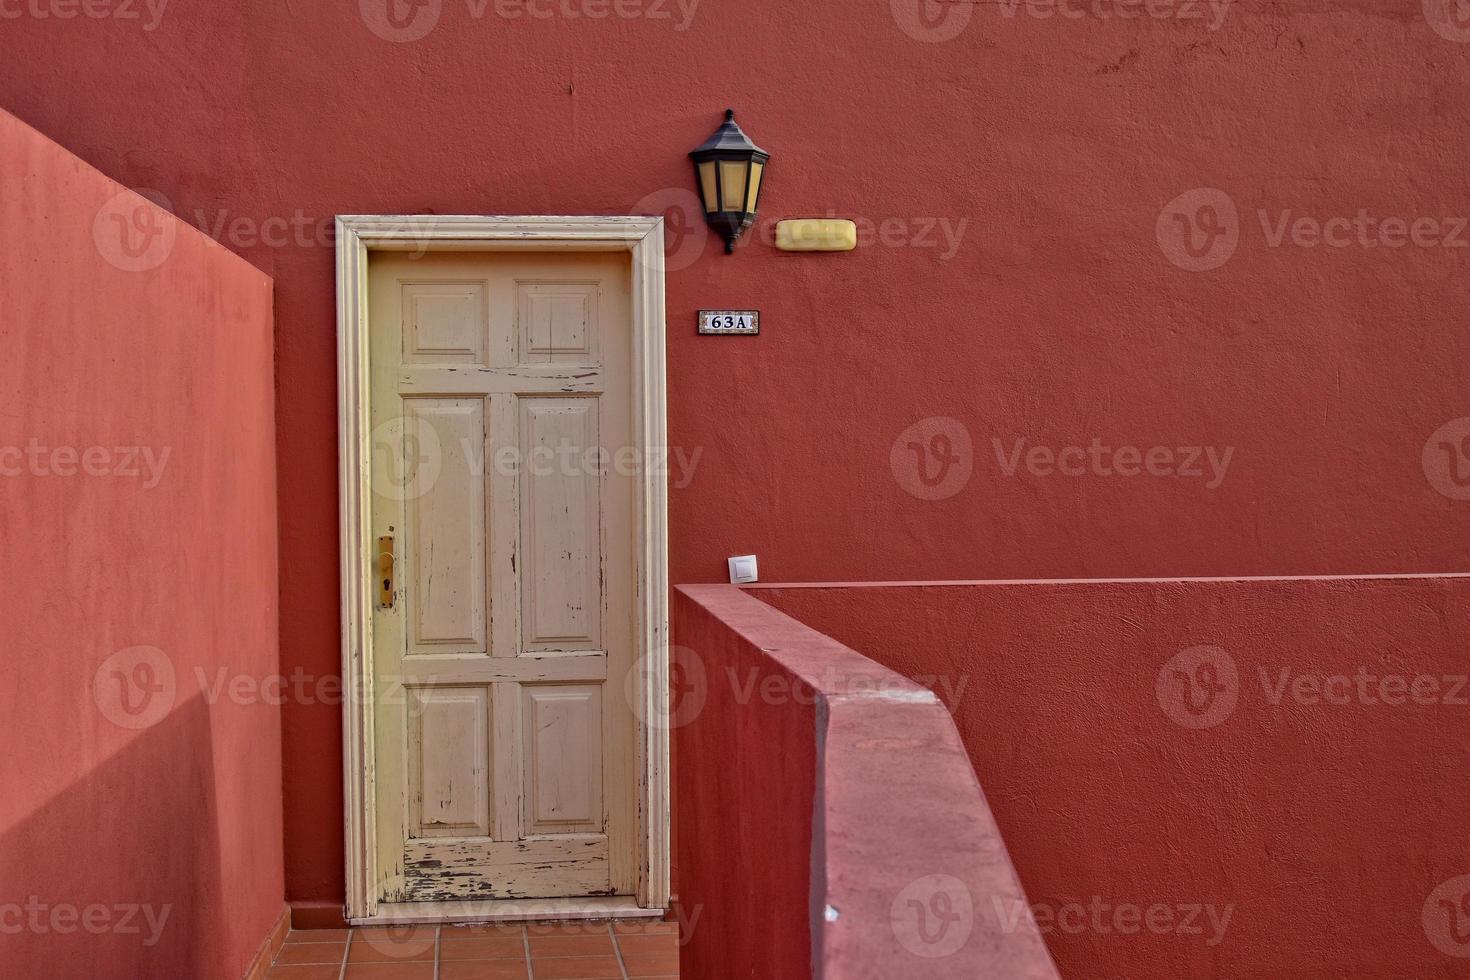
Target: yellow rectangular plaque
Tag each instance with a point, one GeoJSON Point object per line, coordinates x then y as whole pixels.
{"type": "Point", "coordinates": [816, 235]}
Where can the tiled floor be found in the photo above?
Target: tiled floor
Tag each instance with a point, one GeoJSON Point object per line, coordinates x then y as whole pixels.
{"type": "Point", "coordinates": [537, 951]}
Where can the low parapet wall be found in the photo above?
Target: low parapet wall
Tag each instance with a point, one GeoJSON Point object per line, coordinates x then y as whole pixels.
{"type": "Point", "coordinates": [829, 823]}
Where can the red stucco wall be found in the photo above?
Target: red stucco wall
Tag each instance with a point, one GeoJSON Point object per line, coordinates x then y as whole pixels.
{"type": "Point", "coordinates": [1014, 179]}
{"type": "Point", "coordinates": [140, 816]}
{"type": "Point", "coordinates": [743, 820]}
{"type": "Point", "coordinates": [1305, 820]}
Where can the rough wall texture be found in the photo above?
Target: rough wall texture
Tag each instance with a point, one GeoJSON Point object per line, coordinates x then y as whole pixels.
{"type": "Point", "coordinates": [1232, 780]}
{"type": "Point", "coordinates": [1023, 271]}
{"type": "Point", "coordinates": [140, 821]}
{"type": "Point", "coordinates": [744, 816]}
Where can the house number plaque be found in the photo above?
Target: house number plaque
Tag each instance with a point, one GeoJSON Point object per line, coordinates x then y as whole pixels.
{"type": "Point", "coordinates": [730, 321]}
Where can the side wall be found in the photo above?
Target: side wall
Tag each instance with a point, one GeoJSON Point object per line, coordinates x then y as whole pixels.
{"type": "Point", "coordinates": [141, 817]}
{"type": "Point", "coordinates": [1276, 768]}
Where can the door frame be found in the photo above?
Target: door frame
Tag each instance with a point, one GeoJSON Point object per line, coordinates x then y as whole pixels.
{"type": "Point", "coordinates": [643, 237]}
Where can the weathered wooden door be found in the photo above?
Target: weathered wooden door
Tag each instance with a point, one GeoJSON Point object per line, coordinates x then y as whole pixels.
{"type": "Point", "coordinates": [503, 501]}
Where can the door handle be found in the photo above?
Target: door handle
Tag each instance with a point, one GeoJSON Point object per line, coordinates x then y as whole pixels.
{"type": "Point", "coordinates": [385, 571]}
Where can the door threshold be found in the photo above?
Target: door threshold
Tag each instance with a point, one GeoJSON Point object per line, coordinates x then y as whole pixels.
{"type": "Point", "coordinates": [508, 910]}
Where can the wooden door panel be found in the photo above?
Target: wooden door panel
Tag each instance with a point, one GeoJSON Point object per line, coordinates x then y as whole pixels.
{"type": "Point", "coordinates": [557, 322]}
{"type": "Point", "coordinates": [560, 538]}
{"type": "Point", "coordinates": [563, 752]}
{"type": "Point", "coordinates": [445, 322]}
{"type": "Point", "coordinates": [445, 529]}
{"type": "Point", "coordinates": [449, 784]}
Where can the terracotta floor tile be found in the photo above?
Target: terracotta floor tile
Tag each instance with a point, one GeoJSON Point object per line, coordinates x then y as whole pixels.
{"type": "Point", "coordinates": [316, 935]}
{"type": "Point", "coordinates": [311, 953]}
{"type": "Point", "coordinates": [483, 948]}
{"type": "Point", "coordinates": [576, 967]}
{"type": "Point", "coordinates": [482, 970]}
{"type": "Point", "coordinates": [390, 971]}
{"type": "Point", "coordinates": [381, 949]}
{"type": "Point", "coordinates": [482, 930]}
{"type": "Point", "coordinates": [297, 972]}
{"type": "Point", "coordinates": [398, 934]}
{"type": "Point", "coordinates": [644, 927]}
{"type": "Point", "coordinates": [592, 927]}
{"type": "Point", "coordinates": [651, 964]}
{"type": "Point", "coordinates": [659, 943]}
{"type": "Point", "coordinates": [571, 945]}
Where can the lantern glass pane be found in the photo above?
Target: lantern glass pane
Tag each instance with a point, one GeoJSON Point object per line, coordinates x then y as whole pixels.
{"type": "Point", "coordinates": [732, 183]}
{"type": "Point", "coordinates": [707, 186]}
{"type": "Point", "coordinates": [752, 196]}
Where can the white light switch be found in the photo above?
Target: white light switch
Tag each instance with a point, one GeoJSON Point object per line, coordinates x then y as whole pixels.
{"type": "Point", "coordinates": [742, 570]}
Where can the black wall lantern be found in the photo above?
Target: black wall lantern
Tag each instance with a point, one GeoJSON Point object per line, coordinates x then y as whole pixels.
{"type": "Point", "coordinates": [729, 168]}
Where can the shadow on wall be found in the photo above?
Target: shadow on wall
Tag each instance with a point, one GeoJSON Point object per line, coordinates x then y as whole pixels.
{"type": "Point", "coordinates": [119, 875]}
{"type": "Point", "coordinates": [137, 477]}
{"type": "Point", "coordinates": [1228, 779]}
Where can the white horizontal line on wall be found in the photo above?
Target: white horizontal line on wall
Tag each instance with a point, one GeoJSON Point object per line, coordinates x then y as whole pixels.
{"type": "Point", "coordinates": [920, 584]}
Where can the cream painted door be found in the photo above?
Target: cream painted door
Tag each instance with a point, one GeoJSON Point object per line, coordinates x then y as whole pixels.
{"type": "Point", "coordinates": [502, 409]}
